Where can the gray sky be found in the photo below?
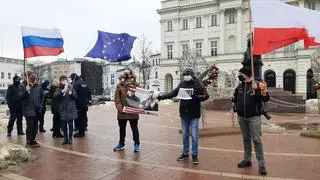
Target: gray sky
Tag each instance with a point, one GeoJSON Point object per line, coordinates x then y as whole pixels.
{"type": "Point", "coordinates": [78, 21]}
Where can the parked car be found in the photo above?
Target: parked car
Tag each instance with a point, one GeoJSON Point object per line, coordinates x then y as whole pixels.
{"type": "Point", "coordinates": [3, 100]}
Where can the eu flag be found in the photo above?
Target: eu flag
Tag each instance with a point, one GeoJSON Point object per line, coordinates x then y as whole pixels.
{"type": "Point", "coordinates": [112, 47]}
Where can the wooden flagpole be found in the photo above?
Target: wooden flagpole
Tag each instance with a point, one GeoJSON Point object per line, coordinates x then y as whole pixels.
{"type": "Point", "coordinates": [251, 39]}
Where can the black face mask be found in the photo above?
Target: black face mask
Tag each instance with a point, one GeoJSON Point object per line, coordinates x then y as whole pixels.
{"type": "Point", "coordinates": [16, 83]}
{"type": "Point", "coordinates": [241, 78]}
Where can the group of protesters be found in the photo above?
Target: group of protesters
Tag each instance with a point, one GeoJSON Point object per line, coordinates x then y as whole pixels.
{"type": "Point", "coordinates": [69, 99]}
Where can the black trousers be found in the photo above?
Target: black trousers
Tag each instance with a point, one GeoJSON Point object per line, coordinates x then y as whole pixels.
{"type": "Point", "coordinates": [80, 122]}
{"type": "Point", "coordinates": [134, 127]}
{"type": "Point", "coordinates": [32, 128]}
{"type": "Point", "coordinates": [67, 125]}
{"type": "Point", "coordinates": [15, 114]}
{"type": "Point", "coordinates": [41, 118]}
{"type": "Point", "coordinates": [56, 124]}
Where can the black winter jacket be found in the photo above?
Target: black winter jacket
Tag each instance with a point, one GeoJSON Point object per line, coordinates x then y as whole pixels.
{"type": "Point", "coordinates": [32, 103]}
{"type": "Point", "coordinates": [13, 97]}
{"type": "Point", "coordinates": [248, 104]}
{"type": "Point", "coordinates": [189, 109]}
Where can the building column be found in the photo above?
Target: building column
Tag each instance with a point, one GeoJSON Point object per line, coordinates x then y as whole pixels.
{"type": "Point", "coordinates": [205, 46]}
{"type": "Point", "coordinates": [163, 46]}
{"type": "Point", "coordinates": [176, 46]}
{"type": "Point", "coordinates": [239, 29]}
{"type": "Point", "coordinates": [191, 31]}
{"type": "Point", "coordinates": [301, 3]}
{"type": "Point", "coordinates": [222, 30]}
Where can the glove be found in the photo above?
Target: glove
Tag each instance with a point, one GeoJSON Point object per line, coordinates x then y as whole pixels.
{"type": "Point", "coordinates": [28, 89]}
{"type": "Point", "coordinates": [70, 92]}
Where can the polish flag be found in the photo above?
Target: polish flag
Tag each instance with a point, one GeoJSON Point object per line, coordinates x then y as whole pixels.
{"type": "Point", "coordinates": [277, 24]}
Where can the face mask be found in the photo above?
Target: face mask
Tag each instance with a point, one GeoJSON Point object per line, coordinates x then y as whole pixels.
{"type": "Point", "coordinates": [16, 82]}
{"type": "Point", "coordinates": [241, 78]}
{"type": "Point", "coordinates": [64, 82]}
{"type": "Point", "coordinates": [187, 78]}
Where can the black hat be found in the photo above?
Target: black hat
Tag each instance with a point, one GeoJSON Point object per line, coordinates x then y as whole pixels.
{"type": "Point", "coordinates": [74, 76]}
{"type": "Point", "coordinates": [246, 71]}
{"type": "Point", "coordinates": [16, 78]}
{"type": "Point", "coordinates": [188, 71]}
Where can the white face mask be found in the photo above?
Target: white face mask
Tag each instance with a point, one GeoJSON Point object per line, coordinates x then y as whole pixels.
{"type": "Point", "coordinates": [187, 78]}
{"type": "Point", "coordinates": [64, 82]}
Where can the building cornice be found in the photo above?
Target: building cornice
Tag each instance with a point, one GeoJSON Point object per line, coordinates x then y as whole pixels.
{"type": "Point", "coordinates": [185, 7]}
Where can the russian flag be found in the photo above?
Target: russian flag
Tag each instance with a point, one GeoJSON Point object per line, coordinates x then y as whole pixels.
{"type": "Point", "coordinates": [41, 42]}
{"type": "Point", "coordinates": [277, 24]}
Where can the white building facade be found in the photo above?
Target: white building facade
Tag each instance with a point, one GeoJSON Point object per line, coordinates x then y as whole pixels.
{"type": "Point", "coordinates": [218, 30]}
{"type": "Point", "coordinates": [9, 68]}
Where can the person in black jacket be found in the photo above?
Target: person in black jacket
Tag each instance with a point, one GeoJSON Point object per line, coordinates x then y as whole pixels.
{"type": "Point", "coordinates": [14, 103]}
{"type": "Point", "coordinates": [248, 97]}
{"type": "Point", "coordinates": [32, 102]}
{"type": "Point", "coordinates": [45, 87]}
{"type": "Point", "coordinates": [82, 102]}
{"type": "Point", "coordinates": [56, 126]}
{"type": "Point", "coordinates": [191, 92]}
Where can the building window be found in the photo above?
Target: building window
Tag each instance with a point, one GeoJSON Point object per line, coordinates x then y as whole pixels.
{"type": "Point", "coordinates": [156, 75]}
{"type": "Point", "coordinates": [169, 25]}
{"type": "Point", "coordinates": [214, 48]}
{"type": "Point", "coordinates": [290, 50]}
{"type": "Point", "coordinates": [9, 75]}
{"type": "Point", "coordinates": [214, 19]}
{"type": "Point", "coordinates": [199, 48]}
{"type": "Point", "coordinates": [185, 49]}
{"type": "Point", "coordinates": [2, 75]}
{"type": "Point", "coordinates": [198, 22]}
{"type": "Point", "coordinates": [170, 51]}
{"type": "Point", "coordinates": [185, 24]}
{"type": "Point", "coordinates": [232, 17]}
{"type": "Point", "coordinates": [159, 61]}
{"type": "Point", "coordinates": [310, 4]}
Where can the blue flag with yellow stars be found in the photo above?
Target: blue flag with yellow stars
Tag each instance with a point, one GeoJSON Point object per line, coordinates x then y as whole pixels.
{"type": "Point", "coordinates": [112, 47]}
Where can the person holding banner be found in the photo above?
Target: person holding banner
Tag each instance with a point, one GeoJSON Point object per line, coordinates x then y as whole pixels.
{"type": "Point", "coordinates": [123, 92]}
{"type": "Point", "coordinates": [190, 92]}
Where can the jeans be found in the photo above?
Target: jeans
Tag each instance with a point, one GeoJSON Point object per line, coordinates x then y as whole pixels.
{"type": "Point", "coordinates": [32, 128]}
{"type": "Point", "coordinates": [122, 130]}
{"type": "Point", "coordinates": [251, 129]}
{"type": "Point", "coordinates": [15, 113]}
{"type": "Point", "coordinates": [193, 125]}
{"type": "Point", "coordinates": [67, 125]}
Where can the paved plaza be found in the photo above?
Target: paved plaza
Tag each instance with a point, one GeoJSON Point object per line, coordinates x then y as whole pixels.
{"type": "Point", "coordinates": [288, 156]}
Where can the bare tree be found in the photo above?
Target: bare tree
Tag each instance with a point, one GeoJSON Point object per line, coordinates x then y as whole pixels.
{"type": "Point", "coordinates": [143, 61]}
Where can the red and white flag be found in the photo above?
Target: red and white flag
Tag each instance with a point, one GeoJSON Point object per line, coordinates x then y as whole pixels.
{"type": "Point", "coordinates": [277, 24]}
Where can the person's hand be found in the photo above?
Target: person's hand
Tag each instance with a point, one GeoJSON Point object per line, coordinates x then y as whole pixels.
{"type": "Point", "coordinates": [129, 93]}
{"type": "Point", "coordinates": [254, 85]}
{"type": "Point", "coordinates": [28, 89]}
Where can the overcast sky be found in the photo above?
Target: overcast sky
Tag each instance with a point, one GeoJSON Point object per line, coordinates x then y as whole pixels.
{"type": "Point", "coordinates": [78, 21]}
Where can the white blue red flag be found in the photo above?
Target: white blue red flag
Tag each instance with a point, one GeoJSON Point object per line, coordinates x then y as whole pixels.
{"type": "Point", "coordinates": [41, 42]}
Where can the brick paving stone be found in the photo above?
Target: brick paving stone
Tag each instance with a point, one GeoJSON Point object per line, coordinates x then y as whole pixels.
{"type": "Point", "coordinates": [92, 157]}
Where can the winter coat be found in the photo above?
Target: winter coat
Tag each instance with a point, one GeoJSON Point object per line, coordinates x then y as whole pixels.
{"type": "Point", "coordinates": [248, 101]}
{"type": "Point", "coordinates": [84, 94]}
{"type": "Point", "coordinates": [32, 103]}
{"type": "Point", "coordinates": [189, 109]}
{"type": "Point", "coordinates": [120, 99]}
{"type": "Point", "coordinates": [66, 104]}
{"type": "Point", "coordinates": [54, 101]}
{"type": "Point", "coordinates": [13, 97]}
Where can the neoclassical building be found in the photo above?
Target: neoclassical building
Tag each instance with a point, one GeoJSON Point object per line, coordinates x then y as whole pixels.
{"type": "Point", "coordinates": [218, 30]}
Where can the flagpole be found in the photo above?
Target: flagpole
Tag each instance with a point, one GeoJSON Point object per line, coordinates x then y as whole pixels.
{"type": "Point", "coordinates": [251, 39]}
